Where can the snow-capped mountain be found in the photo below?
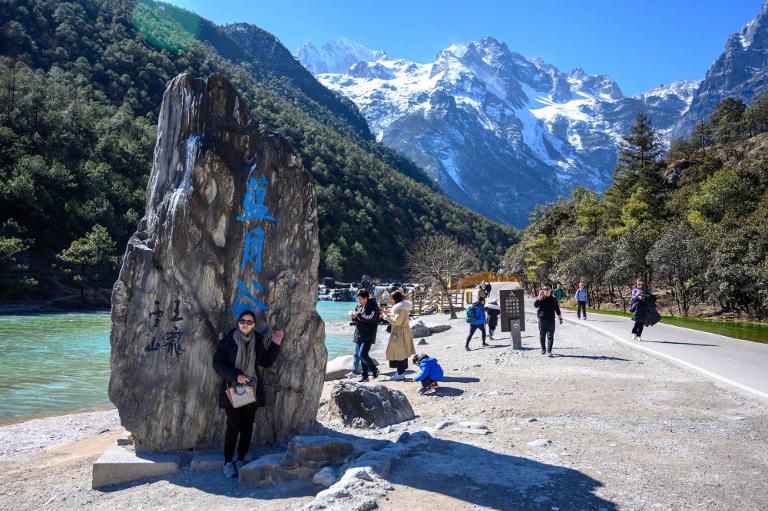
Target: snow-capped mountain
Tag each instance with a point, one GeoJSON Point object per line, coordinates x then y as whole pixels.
{"type": "Point", "coordinates": [499, 132]}
{"type": "Point", "coordinates": [740, 72]}
{"type": "Point", "coordinates": [335, 56]}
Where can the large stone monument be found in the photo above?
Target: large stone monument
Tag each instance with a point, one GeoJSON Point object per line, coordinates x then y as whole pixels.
{"type": "Point", "coordinates": [230, 224]}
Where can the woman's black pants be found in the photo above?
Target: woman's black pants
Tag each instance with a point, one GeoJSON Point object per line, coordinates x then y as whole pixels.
{"type": "Point", "coordinates": [638, 328]}
{"type": "Point", "coordinates": [399, 365]}
{"type": "Point", "coordinates": [239, 423]}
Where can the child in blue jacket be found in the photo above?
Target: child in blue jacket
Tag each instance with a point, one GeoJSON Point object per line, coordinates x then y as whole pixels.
{"type": "Point", "coordinates": [430, 373]}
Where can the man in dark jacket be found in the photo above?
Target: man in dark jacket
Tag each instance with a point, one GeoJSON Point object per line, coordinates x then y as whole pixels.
{"type": "Point", "coordinates": [366, 320]}
{"type": "Point", "coordinates": [237, 359]}
{"type": "Point", "coordinates": [546, 309]}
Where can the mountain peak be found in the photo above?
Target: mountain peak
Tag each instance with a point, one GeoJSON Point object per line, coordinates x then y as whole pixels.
{"type": "Point", "coordinates": [335, 56]}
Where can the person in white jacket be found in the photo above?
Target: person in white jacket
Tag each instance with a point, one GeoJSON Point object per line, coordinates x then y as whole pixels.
{"type": "Point", "coordinates": [400, 346]}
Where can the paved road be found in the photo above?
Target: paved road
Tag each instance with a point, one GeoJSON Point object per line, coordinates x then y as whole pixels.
{"type": "Point", "coordinates": [740, 365]}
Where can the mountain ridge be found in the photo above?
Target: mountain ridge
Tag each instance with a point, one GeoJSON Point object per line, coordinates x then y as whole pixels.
{"type": "Point", "coordinates": [482, 112]}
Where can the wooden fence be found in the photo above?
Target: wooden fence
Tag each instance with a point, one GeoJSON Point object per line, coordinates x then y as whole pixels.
{"type": "Point", "coordinates": [488, 276]}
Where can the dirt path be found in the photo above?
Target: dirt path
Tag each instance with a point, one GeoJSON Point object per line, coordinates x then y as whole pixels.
{"type": "Point", "coordinates": [619, 429]}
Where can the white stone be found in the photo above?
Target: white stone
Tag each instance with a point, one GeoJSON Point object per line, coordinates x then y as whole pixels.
{"type": "Point", "coordinates": [540, 442]}
{"type": "Point", "coordinates": [325, 477]}
{"type": "Point", "coordinates": [473, 425]}
{"type": "Point", "coordinates": [339, 367]}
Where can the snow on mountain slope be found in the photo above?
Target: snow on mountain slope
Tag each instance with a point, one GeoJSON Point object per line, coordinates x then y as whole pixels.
{"type": "Point", "coordinates": [335, 56]}
{"type": "Point", "coordinates": [499, 132]}
{"type": "Point", "coordinates": [741, 72]}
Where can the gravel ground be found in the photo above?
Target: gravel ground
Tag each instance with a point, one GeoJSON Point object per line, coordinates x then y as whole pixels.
{"type": "Point", "coordinates": [599, 426]}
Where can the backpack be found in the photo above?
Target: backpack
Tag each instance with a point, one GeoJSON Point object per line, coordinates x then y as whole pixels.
{"type": "Point", "coordinates": [472, 313]}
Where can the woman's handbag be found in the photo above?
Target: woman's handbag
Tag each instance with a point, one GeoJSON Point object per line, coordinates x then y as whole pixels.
{"type": "Point", "coordinates": [241, 395]}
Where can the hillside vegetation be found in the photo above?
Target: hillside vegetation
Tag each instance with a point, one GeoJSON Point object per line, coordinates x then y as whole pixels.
{"type": "Point", "coordinates": [694, 222]}
{"type": "Point", "coordinates": [82, 83]}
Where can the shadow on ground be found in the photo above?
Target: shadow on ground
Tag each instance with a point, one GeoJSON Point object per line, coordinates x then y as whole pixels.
{"type": "Point", "coordinates": [592, 357]}
{"type": "Point", "coordinates": [683, 343]}
{"type": "Point", "coordinates": [445, 468]}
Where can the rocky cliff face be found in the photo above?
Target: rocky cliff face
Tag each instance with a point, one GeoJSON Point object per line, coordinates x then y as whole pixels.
{"type": "Point", "coordinates": [499, 132]}
{"type": "Point", "coordinates": [230, 224]}
{"type": "Point", "coordinates": [740, 72]}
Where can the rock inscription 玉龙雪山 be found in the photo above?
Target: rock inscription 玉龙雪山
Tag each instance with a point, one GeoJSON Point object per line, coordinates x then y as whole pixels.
{"type": "Point", "coordinates": [230, 224]}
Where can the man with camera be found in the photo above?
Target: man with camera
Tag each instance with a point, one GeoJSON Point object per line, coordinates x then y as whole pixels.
{"type": "Point", "coordinates": [546, 308]}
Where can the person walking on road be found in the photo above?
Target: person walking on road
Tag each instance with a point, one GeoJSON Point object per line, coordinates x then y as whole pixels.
{"type": "Point", "coordinates": [558, 293]}
{"type": "Point", "coordinates": [546, 309]}
{"type": "Point", "coordinates": [476, 320]}
{"type": "Point", "coordinates": [642, 304]}
{"type": "Point", "coordinates": [492, 310]}
{"type": "Point", "coordinates": [487, 288]}
{"type": "Point", "coordinates": [581, 300]}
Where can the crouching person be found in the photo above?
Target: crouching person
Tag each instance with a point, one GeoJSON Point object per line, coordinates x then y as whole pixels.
{"type": "Point", "coordinates": [237, 359]}
{"type": "Point", "coordinates": [430, 373]}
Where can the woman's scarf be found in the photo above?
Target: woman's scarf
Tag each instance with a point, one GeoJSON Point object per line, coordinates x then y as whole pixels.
{"type": "Point", "coordinates": [246, 357]}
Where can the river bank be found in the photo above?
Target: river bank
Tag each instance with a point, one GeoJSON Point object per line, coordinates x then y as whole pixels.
{"type": "Point", "coordinates": [600, 425]}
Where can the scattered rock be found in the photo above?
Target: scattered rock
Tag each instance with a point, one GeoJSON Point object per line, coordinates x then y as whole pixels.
{"type": "Point", "coordinates": [358, 473]}
{"type": "Point", "coordinates": [471, 431]}
{"type": "Point", "coordinates": [376, 405]}
{"type": "Point", "coordinates": [325, 477]}
{"type": "Point", "coordinates": [269, 469]}
{"type": "Point", "coordinates": [419, 329]}
{"type": "Point", "coordinates": [533, 419]}
{"type": "Point", "coordinates": [443, 424]}
{"type": "Point", "coordinates": [317, 451]}
{"type": "Point", "coordinates": [404, 437]}
{"type": "Point", "coordinates": [540, 442]}
{"type": "Point", "coordinates": [421, 342]}
{"type": "Point", "coordinates": [421, 436]}
{"type": "Point", "coordinates": [436, 329]}
{"type": "Point", "coordinates": [473, 425]}
{"type": "Point", "coordinates": [339, 367]}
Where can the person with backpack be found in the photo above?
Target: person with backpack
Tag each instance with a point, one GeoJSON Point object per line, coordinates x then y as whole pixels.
{"type": "Point", "coordinates": [546, 309]}
{"type": "Point", "coordinates": [476, 320]}
{"type": "Point", "coordinates": [581, 300]}
{"type": "Point", "coordinates": [492, 311]}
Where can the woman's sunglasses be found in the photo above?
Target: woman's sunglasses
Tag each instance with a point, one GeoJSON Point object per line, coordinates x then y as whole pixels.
{"type": "Point", "coordinates": [245, 322]}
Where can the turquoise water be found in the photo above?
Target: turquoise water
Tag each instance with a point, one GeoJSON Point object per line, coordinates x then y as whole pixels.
{"type": "Point", "coordinates": [54, 363]}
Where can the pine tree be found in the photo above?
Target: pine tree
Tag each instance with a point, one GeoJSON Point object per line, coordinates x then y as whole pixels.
{"type": "Point", "coordinates": [639, 165]}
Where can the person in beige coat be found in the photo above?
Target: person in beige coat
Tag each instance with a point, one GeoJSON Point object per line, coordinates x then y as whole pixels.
{"type": "Point", "coordinates": [400, 346]}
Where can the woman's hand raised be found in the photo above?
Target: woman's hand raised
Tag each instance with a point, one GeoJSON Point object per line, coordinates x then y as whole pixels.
{"type": "Point", "coordinates": [277, 337]}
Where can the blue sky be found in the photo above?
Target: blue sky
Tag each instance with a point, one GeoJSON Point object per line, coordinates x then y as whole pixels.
{"type": "Point", "coordinates": [639, 43]}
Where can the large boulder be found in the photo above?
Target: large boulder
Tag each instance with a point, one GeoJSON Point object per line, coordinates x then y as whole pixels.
{"type": "Point", "coordinates": [419, 329]}
{"type": "Point", "coordinates": [362, 405]}
{"type": "Point", "coordinates": [230, 224]}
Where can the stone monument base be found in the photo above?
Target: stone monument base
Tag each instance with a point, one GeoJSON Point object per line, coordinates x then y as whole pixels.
{"type": "Point", "coordinates": [121, 464]}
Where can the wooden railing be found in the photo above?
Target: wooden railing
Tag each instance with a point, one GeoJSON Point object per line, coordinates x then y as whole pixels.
{"type": "Point", "coordinates": [429, 302]}
{"type": "Point", "coordinates": [488, 276]}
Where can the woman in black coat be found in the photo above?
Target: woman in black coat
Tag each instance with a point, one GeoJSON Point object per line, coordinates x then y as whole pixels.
{"type": "Point", "coordinates": [237, 359]}
{"type": "Point", "coordinates": [642, 304]}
